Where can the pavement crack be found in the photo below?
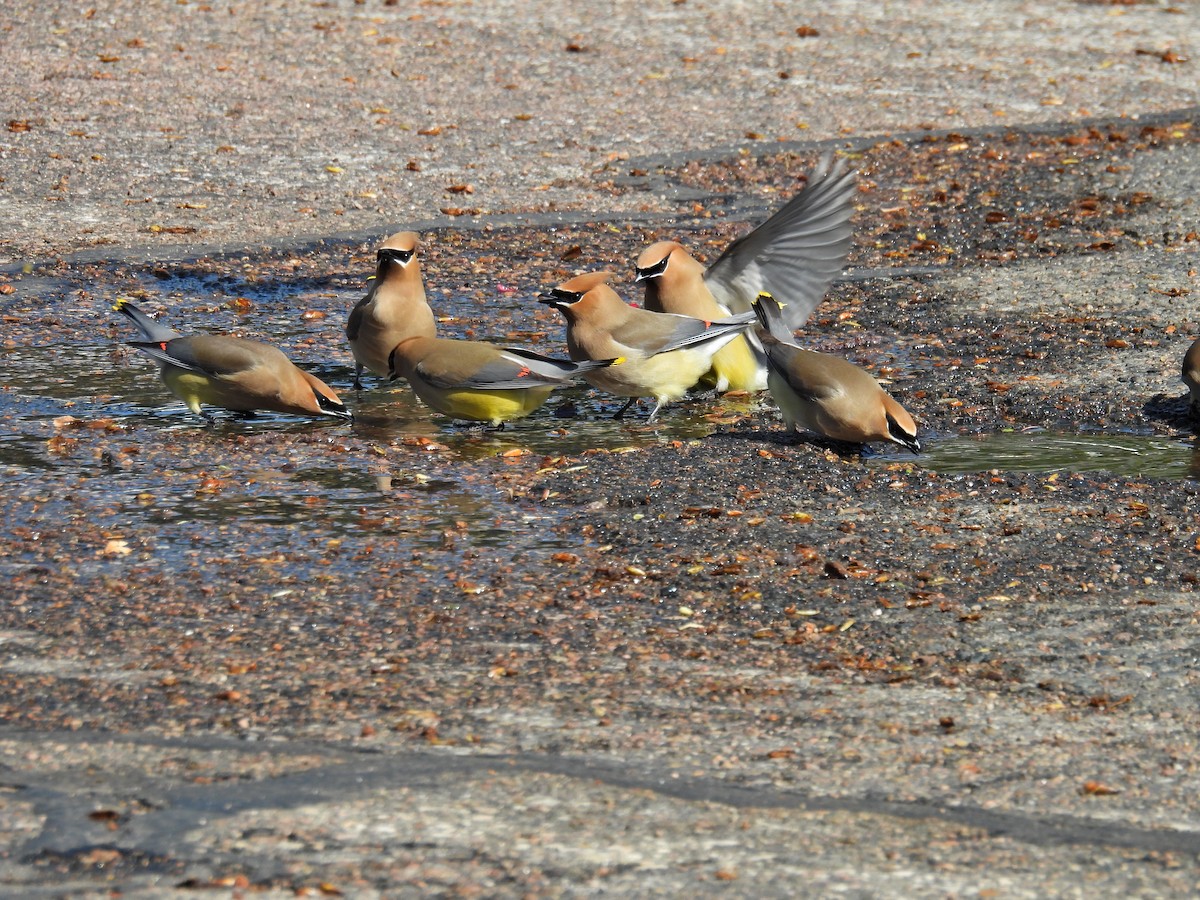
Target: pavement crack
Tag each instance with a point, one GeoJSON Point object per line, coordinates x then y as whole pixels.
{"type": "Point", "coordinates": [178, 810]}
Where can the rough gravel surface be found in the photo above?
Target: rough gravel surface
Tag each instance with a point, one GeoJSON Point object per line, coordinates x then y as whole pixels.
{"type": "Point", "coordinates": [579, 657]}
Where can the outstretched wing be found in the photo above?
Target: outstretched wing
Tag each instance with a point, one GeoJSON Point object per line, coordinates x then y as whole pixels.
{"type": "Point", "coordinates": [795, 253]}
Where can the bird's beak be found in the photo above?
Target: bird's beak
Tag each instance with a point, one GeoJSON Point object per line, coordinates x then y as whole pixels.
{"type": "Point", "coordinates": [558, 298]}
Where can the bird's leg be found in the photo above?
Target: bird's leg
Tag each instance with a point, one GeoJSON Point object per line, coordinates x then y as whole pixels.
{"type": "Point", "coordinates": [628, 403]}
{"type": "Point", "coordinates": [358, 376]}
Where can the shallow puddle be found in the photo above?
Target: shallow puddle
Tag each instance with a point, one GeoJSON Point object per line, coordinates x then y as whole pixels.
{"type": "Point", "coordinates": [1131, 455]}
{"type": "Point", "coordinates": [573, 420]}
{"type": "Point", "coordinates": [136, 463]}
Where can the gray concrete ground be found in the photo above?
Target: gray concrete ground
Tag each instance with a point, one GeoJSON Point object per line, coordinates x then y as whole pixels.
{"type": "Point", "coordinates": [998, 696]}
{"type": "Point", "coordinates": [263, 122]}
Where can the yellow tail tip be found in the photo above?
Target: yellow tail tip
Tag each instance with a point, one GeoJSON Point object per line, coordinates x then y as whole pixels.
{"type": "Point", "coordinates": [120, 302]}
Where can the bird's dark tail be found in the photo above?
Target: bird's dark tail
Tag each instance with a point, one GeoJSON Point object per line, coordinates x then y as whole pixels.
{"type": "Point", "coordinates": [770, 316]}
{"type": "Point", "coordinates": [149, 328]}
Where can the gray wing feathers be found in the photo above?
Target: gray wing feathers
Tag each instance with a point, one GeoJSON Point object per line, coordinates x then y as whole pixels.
{"type": "Point", "coordinates": [771, 317]}
{"type": "Point", "coordinates": [209, 354]}
{"type": "Point", "coordinates": [514, 369]}
{"type": "Point", "coordinates": [696, 331]}
{"type": "Point", "coordinates": [556, 369]}
{"type": "Point", "coordinates": [795, 253]}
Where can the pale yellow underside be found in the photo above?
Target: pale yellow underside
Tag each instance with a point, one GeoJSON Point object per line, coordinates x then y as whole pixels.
{"type": "Point", "coordinates": [194, 388]}
{"type": "Point", "coordinates": [482, 406]}
{"type": "Point", "coordinates": [372, 349]}
{"type": "Point", "coordinates": [667, 376]}
{"type": "Point", "coordinates": [734, 368]}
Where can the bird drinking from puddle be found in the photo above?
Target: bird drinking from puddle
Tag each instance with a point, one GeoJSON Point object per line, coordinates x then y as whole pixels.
{"type": "Point", "coordinates": [230, 372]}
{"type": "Point", "coordinates": [827, 394]}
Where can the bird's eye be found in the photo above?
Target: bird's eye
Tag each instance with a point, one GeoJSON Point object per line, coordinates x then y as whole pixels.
{"type": "Point", "coordinates": [404, 257]}
{"type": "Point", "coordinates": [655, 270]}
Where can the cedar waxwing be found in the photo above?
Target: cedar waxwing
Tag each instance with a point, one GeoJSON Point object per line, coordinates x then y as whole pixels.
{"type": "Point", "coordinates": [482, 382]}
{"type": "Point", "coordinates": [394, 308]}
{"type": "Point", "coordinates": [229, 372]}
{"type": "Point", "coordinates": [794, 254]}
{"type": "Point", "coordinates": [1191, 375]}
{"type": "Point", "coordinates": [827, 394]}
{"type": "Point", "coordinates": [675, 284]}
{"type": "Point", "coordinates": [664, 354]}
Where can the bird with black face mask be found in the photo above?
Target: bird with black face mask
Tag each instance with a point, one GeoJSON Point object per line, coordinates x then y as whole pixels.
{"type": "Point", "coordinates": [827, 394]}
{"type": "Point", "coordinates": [664, 354]}
{"type": "Point", "coordinates": [230, 372]}
{"type": "Point", "coordinates": [394, 308]}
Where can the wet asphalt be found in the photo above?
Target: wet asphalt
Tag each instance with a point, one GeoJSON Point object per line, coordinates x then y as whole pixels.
{"type": "Point", "coordinates": [577, 657]}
